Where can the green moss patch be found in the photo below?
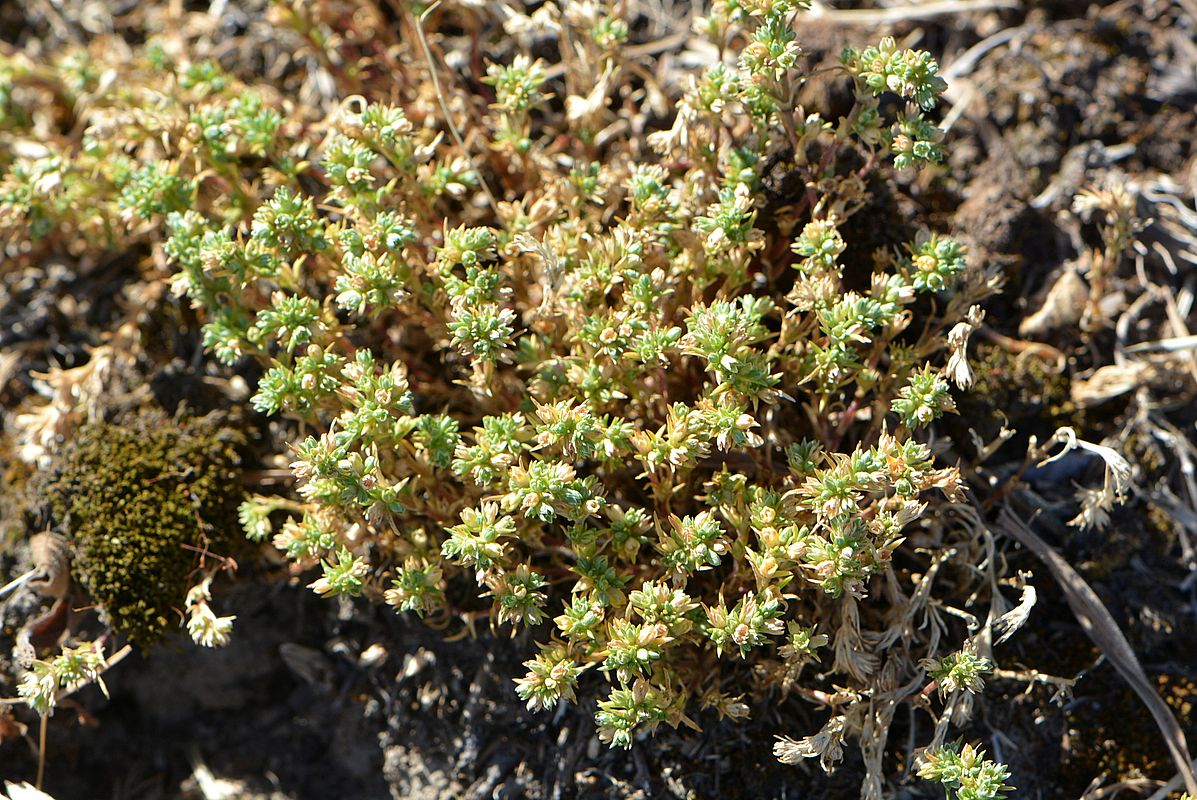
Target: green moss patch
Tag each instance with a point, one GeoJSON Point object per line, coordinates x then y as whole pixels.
{"type": "Point", "coordinates": [140, 499]}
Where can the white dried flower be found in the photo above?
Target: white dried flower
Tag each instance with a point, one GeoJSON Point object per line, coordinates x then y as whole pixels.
{"type": "Point", "coordinates": [826, 745]}
{"type": "Point", "coordinates": [205, 628]}
{"type": "Point", "coordinates": [958, 367]}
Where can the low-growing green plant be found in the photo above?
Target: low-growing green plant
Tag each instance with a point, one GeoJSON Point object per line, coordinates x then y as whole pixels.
{"type": "Point", "coordinates": [966, 773]}
{"type": "Point", "coordinates": [72, 668]}
{"type": "Point", "coordinates": [678, 425]}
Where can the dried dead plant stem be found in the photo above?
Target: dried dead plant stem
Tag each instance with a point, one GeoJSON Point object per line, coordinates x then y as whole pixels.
{"type": "Point", "coordinates": [41, 752]}
{"type": "Point", "coordinates": [1024, 348]}
{"type": "Point", "coordinates": [440, 98]}
{"type": "Point", "coordinates": [905, 13]}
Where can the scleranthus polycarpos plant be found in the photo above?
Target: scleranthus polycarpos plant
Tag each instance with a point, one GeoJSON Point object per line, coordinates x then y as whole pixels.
{"type": "Point", "coordinates": [673, 419]}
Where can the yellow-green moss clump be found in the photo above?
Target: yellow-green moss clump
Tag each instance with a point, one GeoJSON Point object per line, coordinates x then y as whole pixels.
{"type": "Point", "coordinates": [139, 498]}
